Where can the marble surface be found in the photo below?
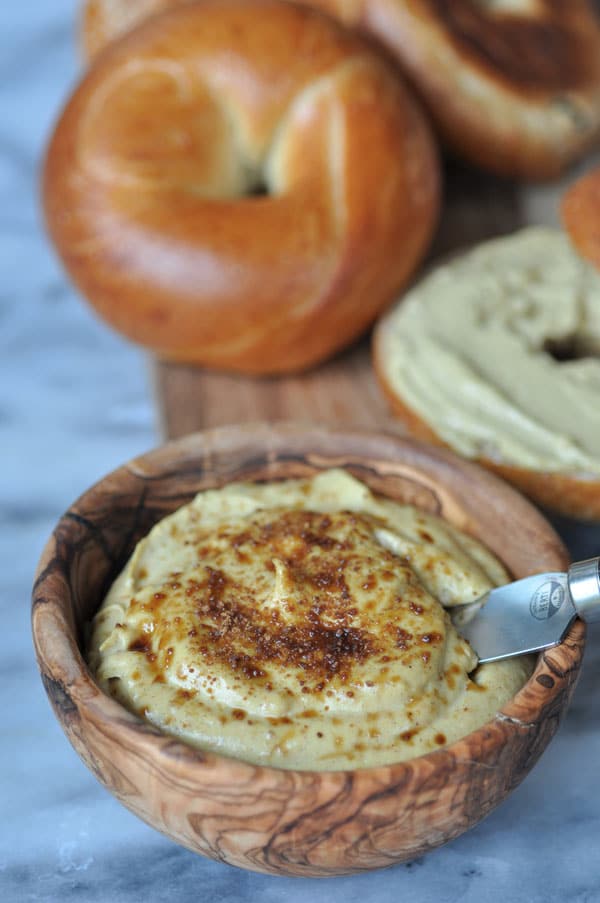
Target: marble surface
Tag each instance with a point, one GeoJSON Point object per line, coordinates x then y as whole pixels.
{"type": "Point", "coordinates": [75, 402]}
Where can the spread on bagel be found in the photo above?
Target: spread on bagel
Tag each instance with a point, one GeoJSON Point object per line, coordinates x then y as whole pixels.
{"type": "Point", "coordinates": [498, 352]}
{"type": "Point", "coordinates": [301, 624]}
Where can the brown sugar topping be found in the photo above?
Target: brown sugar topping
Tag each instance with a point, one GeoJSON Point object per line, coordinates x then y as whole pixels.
{"type": "Point", "coordinates": [314, 602]}
{"type": "Point", "coordinates": [432, 638]}
{"type": "Point", "coordinates": [321, 641]}
{"type": "Point", "coordinates": [403, 638]}
{"type": "Point", "coordinates": [140, 644]}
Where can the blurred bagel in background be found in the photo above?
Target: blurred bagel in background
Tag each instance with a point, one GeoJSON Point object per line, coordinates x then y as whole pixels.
{"type": "Point", "coordinates": [241, 185]}
{"type": "Point", "coordinates": [512, 85]}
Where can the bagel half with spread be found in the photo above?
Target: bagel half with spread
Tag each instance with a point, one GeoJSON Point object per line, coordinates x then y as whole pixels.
{"type": "Point", "coordinates": [497, 355]}
{"type": "Point", "coordinates": [513, 85]}
{"type": "Point", "coordinates": [241, 185]}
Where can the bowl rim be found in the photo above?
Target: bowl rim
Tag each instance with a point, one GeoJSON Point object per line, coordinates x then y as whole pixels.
{"type": "Point", "coordinates": [72, 688]}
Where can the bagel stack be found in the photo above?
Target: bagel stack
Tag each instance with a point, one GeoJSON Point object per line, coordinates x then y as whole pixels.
{"type": "Point", "coordinates": [241, 185]}
{"type": "Point", "coordinates": [513, 86]}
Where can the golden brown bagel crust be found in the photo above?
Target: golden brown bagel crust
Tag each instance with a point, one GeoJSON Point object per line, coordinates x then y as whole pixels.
{"type": "Point", "coordinates": [105, 20]}
{"type": "Point", "coordinates": [581, 215]}
{"type": "Point", "coordinates": [575, 497]}
{"type": "Point", "coordinates": [147, 174]}
{"type": "Point", "coordinates": [512, 85]}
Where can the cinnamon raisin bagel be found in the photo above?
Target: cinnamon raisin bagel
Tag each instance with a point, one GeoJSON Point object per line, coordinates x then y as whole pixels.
{"type": "Point", "coordinates": [513, 85]}
{"type": "Point", "coordinates": [241, 185]}
{"type": "Point", "coordinates": [497, 355]}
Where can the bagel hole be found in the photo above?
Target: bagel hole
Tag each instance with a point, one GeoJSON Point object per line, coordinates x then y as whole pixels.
{"type": "Point", "coordinates": [255, 182]}
{"type": "Point", "coordinates": [258, 190]}
{"type": "Point", "coordinates": [569, 348]}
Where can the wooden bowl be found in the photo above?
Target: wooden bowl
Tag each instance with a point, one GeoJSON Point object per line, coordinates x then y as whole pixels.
{"type": "Point", "coordinates": [268, 819]}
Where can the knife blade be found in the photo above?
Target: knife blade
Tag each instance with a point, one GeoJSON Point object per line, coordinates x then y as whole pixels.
{"type": "Point", "coordinates": [531, 614]}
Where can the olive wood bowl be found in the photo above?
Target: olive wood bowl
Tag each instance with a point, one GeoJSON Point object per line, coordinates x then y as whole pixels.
{"type": "Point", "coordinates": [268, 819]}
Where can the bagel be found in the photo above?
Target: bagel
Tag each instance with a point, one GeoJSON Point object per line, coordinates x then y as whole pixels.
{"type": "Point", "coordinates": [495, 354]}
{"type": "Point", "coordinates": [512, 85]}
{"type": "Point", "coordinates": [581, 215]}
{"type": "Point", "coordinates": [241, 185]}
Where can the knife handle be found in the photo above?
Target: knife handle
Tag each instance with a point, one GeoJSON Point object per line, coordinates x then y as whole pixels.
{"type": "Point", "coordinates": [583, 578]}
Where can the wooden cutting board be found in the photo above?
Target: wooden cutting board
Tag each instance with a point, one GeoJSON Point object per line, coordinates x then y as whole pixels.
{"type": "Point", "coordinates": [344, 391]}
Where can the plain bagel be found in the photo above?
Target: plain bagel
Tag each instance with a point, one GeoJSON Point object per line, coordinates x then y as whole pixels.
{"type": "Point", "coordinates": [495, 354]}
{"type": "Point", "coordinates": [241, 185]}
{"type": "Point", "coordinates": [512, 85]}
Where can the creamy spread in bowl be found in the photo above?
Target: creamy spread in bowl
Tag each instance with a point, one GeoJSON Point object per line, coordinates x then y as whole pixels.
{"type": "Point", "coordinates": [302, 624]}
{"type": "Point", "coordinates": [498, 351]}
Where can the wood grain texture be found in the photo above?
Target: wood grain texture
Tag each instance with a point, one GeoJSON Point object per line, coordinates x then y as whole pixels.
{"type": "Point", "coordinates": [266, 819]}
{"type": "Point", "coordinates": [341, 392]}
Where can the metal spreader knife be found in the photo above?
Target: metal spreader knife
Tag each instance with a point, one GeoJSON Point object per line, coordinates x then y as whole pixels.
{"type": "Point", "coordinates": [530, 614]}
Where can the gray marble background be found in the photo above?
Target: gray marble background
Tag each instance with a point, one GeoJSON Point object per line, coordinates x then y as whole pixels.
{"type": "Point", "coordinates": [74, 403]}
